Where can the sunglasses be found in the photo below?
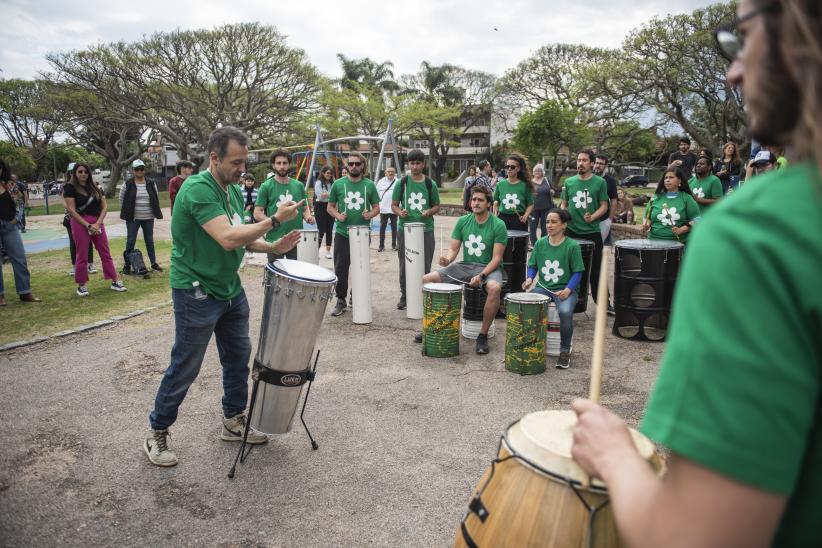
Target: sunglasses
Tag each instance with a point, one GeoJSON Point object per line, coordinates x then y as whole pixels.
{"type": "Point", "coordinates": [354, 164]}
{"type": "Point", "coordinates": [139, 169]}
{"type": "Point", "coordinates": [512, 166]}
{"type": "Point", "coordinates": [79, 171]}
{"type": "Point", "coordinates": [729, 42]}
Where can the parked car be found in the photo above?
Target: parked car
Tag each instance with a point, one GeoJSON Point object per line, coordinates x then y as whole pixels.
{"type": "Point", "coordinates": [101, 178]}
{"type": "Point", "coordinates": [635, 180]}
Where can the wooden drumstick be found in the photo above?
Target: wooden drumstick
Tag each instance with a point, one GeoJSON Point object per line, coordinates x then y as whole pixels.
{"type": "Point", "coordinates": [440, 239]}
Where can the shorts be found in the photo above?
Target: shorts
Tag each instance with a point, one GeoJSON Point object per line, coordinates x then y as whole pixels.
{"type": "Point", "coordinates": [463, 272]}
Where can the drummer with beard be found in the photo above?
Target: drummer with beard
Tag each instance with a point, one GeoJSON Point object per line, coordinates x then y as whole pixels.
{"type": "Point", "coordinates": [483, 238]}
{"type": "Point", "coordinates": [209, 243]}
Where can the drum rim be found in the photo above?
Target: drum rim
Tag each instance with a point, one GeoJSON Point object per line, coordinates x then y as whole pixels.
{"type": "Point", "coordinates": [534, 298]}
{"type": "Point", "coordinates": [274, 269]}
{"type": "Point", "coordinates": [662, 245]}
{"type": "Point", "coordinates": [415, 223]}
{"type": "Point", "coordinates": [456, 288]}
{"type": "Point", "coordinates": [517, 233]}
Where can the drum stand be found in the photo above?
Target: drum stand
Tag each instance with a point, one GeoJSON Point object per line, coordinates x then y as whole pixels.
{"type": "Point", "coordinates": [272, 377]}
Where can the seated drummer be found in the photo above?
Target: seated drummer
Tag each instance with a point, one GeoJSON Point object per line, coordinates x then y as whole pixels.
{"type": "Point", "coordinates": [484, 237]}
{"type": "Point", "coordinates": [559, 260]}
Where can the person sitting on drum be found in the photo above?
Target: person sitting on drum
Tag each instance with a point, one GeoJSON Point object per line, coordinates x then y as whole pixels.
{"type": "Point", "coordinates": [483, 238]}
{"type": "Point", "coordinates": [671, 213]}
{"type": "Point", "coordinates": [556, 266]}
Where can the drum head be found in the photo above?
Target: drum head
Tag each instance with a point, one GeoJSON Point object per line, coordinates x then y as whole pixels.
{"type": "Point", "coordinates": [527, 298]}
{"type": "Point", "coordinates": [648, 244]}
{"type": "Point", "coordinates": [442, 288]}
{"type": "Point", "coordinates": [545, 438]}
{"type": "Point", "coordinates": [302, 271]}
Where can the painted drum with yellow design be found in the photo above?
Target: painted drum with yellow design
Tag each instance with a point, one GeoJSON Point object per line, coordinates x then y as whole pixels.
{"type": "Point", "coordinates": [441, 305]}
{"type": "Point", "coordinates": [527, 315]}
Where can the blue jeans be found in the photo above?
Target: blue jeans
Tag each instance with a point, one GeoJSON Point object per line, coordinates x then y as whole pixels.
{"type": "Point", "coordinates": [566, 316]}
{"type": "Point", "coordinates": [538, 216]}
{"type": "Point", "coordinates": [13, 245]}
{"type": "Point", "coordinates": [148, 236]}
{"type": "Point", "coordinates": [196, 317]}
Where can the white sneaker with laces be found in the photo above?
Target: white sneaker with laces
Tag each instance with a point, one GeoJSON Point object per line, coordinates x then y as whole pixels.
{"type": "Point", "coordinates": [118, 286]}
{"type": "Point", "coordinates": [157, 450]}
{"type": "Point", "coordinates": [82, 291]}
{"type": "Point", "coordinates": [233, 431]}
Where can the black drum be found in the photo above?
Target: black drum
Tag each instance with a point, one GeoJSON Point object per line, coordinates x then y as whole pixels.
{"type": "Point", "coordinates": [514, 261]}
{"type": "Point", "coordinates": [645, 273]}
{"type": "Point", "coordinates": [474, 303]}
{"type": "Point", "coordinates": [587, 256]}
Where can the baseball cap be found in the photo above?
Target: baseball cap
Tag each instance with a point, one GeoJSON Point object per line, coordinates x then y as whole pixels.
{"type": "Point", "coordinates": [137, 163]}
{"type": "Point", "coordinates": [764, 157]}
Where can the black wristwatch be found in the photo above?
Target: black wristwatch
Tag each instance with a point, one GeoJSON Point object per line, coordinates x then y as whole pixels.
{"type": "Point", "coordinates": [274, 222]}
{"type": "Point", "coordinates": [483, 277]}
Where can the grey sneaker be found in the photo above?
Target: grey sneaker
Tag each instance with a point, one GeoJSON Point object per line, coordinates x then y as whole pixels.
{"type": "Point", "coordinates": [482, 343]}
{"type": "Point", "coordinates": [233, 431]}
{"type": "Point", "coordinates": [92, 269]}
{"type": "Point", "coordinates": [339, 308]}
{"type": "Point", "coordinates": [82, 291]}
{"type": "Point", "coordinates": [117, 285]}
{"type": "Point", "coordinates": [564, 360]}
{"type": "Point", "coordinates": [156, 448]}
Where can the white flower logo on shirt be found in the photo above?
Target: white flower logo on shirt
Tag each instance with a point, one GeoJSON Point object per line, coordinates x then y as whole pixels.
{"type": "Point", "coordinates": [354, 200]}
{"type": "Point", "coordinates": [416, 201]}
{"type": "Point", "coordinates": [511, 201]}
{"type": "Point", "coordinates": [474, 245]}
{"type": "Point", "coordinates": [698, 192]}
{"type": "Point", "coordinates": [551, 271]}
{"type": "Point", "coordinates": [579, 200]}
{"type": "Point", "coordinates": [285, 198]}
{"type": "Point", "coordinates": [668, 216]}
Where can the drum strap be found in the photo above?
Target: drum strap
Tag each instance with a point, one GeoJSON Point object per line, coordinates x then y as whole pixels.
{"type": "Point", "coordinates": [281, 378]}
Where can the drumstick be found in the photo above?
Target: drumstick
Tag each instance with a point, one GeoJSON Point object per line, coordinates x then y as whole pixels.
{"type": "Point", "coordinates": [600, 325]}
{"type": "Point", "coordinates": [440, 239]}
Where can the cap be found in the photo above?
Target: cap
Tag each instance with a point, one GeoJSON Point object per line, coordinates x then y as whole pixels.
{"type": "Point", "coordinates": [137, 163]}
{"type": "Point", "coordinates": [764, 157]}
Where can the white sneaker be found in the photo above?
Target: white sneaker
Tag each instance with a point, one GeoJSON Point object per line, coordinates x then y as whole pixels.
{"type": "Point", "coordinates": [91, 269]}
{"type": "Point", "coordinates": [82, 291]}
{"type": "Point", "coordinates": [156, 448]}
{"type": "Point", "coordinates": [233, 431]}
{"type": "Point", "coordinates": [118, 286]}
{"type": "Point", "coordinates": [328, 255]}
{"type": "Point", "coordinates": [71, 272]}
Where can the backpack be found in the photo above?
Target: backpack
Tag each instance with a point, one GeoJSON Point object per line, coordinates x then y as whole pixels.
{"type": "Point", "coordinates": [428, 185]}
{"type": "Point", "coordinates": [135, 264]}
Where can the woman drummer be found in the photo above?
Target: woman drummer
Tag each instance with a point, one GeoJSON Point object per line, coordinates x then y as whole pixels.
{"type": "Point", "coordinates": [556, 266]}
{"type": "Point", "coordinates": [671, 213]}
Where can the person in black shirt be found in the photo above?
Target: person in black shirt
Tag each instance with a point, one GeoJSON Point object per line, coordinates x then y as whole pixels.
{"type": "Point", "coordinates": [683, 158]}
{"type": "Point", "coordinates": [12, 242]}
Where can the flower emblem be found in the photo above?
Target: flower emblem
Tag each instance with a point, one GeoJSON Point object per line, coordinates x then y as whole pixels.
{"type": "Point", "coordinates": [511, 201]}
{"type": "Point", "coordinates": [668, 216]}
{"type": "Point", "coordinates": [580, 201]}
{"type": "Point", "coordinates": [416, 201]}
{"type": "Point", "coordinates": [698, 192]}
{"type": "Point", "coordinates": [474, 245]}
{"type": "Point", "coordinates": [285, 198]}
{"type": "Point", "coordinates": [354, 200]}
{"type": "Point", "coordinates": [551, 271]}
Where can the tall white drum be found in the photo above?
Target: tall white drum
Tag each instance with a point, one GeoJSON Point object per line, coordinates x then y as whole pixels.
{"type": "Point", "coordinates": [360, 273]}
{"type": "Point", "coordinates": [414, 234]}
{"type": "Point", "coordinates": [308, 248]}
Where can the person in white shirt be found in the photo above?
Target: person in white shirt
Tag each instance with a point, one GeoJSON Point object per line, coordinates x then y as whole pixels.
{"type": "Point", "coordinates": [385, 188]}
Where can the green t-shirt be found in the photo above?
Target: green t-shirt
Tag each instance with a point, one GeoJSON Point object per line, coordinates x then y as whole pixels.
{"type": "Point", "coordinates": [574, 191]}
{"type": "Point", "coordinates": [741, 380]}
{"type": "Point", "coordinates": [556, 264]}
{"type": "Point", "coordinates": [478, 239]}
{"type": "Point", "coordinates": [195, 255]}
{"type": "Point", "coordinates": [415, 200]}
{"type": "Point", "coordinates": [271, 195]}
{"type": "Point", "coordinates": [665, 213]}
{"type": "Point", "coordinates": [512, 198]}
{"type": "Point", "coordinates": [353, 199]}
{"type": "Point", "coordinates": [709, 187]}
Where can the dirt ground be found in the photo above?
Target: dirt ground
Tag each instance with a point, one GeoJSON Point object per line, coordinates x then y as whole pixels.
{"type": "Point", "coordinates": [403, 438]}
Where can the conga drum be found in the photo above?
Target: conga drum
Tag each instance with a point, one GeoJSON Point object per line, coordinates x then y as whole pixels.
{"type": "Point", "coordinates": [472, 312]}
{"type": "Point", "coordinates": [308, 248]}
{"type": "Point", "coordinates": [587, 248]}
{"type": "Point", "coordinates": [358, 241]}
{"type": "Point", "coordinates": [533, 493]}
{"type": "Point", "coordinates": [441, 320]}
{"type": "Point", "coordinates": [514, 261]}
{"type": "Point", "coordinates": [527, 315]}
{"type": "Point", "coordinates": [552, 339]}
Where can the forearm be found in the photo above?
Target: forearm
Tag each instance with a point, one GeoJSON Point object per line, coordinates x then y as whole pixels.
{"type": "Point", "coordinates": [434, 210]}
{"type": "Point", "coordinates": [601, 212]}
{"type": "Point", "coordinates": [528, 210]}
{"type": "Point", "coordinates": [103, 213]}
{"type": "Point", "coordinates": [260, 246]}
{"type": "Point", "coordinates": [259, 214]}
{"type": "Point", "coordinates": [332, 210]}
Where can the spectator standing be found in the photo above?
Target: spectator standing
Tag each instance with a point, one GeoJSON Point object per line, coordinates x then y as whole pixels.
{"type": "Point", "coordinates": [248, 188]}
{"type": "Point", "coordinates": [21, 191]}
{"type": "Point", "coordinates": [140, 205]}
{"type": "Point", "coordinates": [728, 167]}
{"type": "Point", "coordinates": [385, 189]}
{"type": "Point", "coordinates": [12, 242]}
{"type": "Point", "coordinates": [184, 169]}
{"type": "Point", "coordinates": [683, 158]}
{"type": "Point", "coordinates": [543, 203]}
{"type": "Point", "coordinates": [72, 247]}
{"type": "Point", "coordinates": [325, 222]}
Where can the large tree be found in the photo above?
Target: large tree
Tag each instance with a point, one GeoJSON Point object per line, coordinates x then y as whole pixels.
{"type": "Point", "coordinates": [28, 116]}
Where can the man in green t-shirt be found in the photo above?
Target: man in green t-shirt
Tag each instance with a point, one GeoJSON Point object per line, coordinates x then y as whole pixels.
{"type": "Point", "coordinates": [415, 200]}
{"type": "Point", "coordinates": [739, 392]}
{"type": "Point", "coordinates": [482, 238]}
{"type": "Point", "coordinates": [705, 186]}
{"type": "Point", "coordinates": [209, 237]}
{"type": "Point", "coordinates": [277, 190]}
{"type": "Point", "coordinates": [585, 196]}
{"type": "Point", "coordinates": [353, 200]}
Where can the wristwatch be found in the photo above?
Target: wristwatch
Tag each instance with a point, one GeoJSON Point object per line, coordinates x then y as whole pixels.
{"type": "Point", "coordinates": [483, 277]}
{"type": "Point", "coordinates": [274, 222]}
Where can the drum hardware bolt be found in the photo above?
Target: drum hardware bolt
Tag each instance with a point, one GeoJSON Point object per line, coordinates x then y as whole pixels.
{"type": "Point", "coordinates": [276, 289]}
{"type": "Point", "coordinates": [300, 294]}
{"type": "Point", "coordinates": [288, 291]}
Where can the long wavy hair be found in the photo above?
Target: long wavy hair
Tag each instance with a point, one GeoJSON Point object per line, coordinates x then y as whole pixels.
{"type": "Point", "coordinates": [524, 173]}
{"type": "Point", "coordinates": [735, 156]}
{"type": "Point", "coordinates": [90, 187]}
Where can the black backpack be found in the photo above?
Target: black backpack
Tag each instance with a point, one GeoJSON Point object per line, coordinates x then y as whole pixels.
{"type": "Point", "coordinates": [135, 264]}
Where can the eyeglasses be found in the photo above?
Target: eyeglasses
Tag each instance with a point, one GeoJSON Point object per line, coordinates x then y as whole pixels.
{"type": "Point", "coordinates": [512, 166]}
{"type": "Point", "coordinates": [727, 39]}
{"type": "Point", "coordinates": [354, 164]}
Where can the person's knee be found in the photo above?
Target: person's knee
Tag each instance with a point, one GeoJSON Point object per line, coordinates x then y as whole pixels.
{"type": "Point", "coordinates": [493, 288]}
{"type": "Point", "coordinates": [432, 278]}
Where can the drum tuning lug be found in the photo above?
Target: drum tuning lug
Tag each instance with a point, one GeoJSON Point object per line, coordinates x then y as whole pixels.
{"type": "Point", "coordinates": [478, 508]}
{"type": "Point", "coordinates": [288, 291]}
{"type": "Point", "coordinates": [300, 294]}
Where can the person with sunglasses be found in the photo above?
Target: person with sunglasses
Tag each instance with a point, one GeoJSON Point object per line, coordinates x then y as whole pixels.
{"type": "Point", "coordinates": [738, 400]}
{"type": "Point", "coordinates": [140, 205]}
{"type": "Point", "coordinates": [514, 195]}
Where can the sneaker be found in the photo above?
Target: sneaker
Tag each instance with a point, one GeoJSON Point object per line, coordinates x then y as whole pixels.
{"type": "Point", "coordinates": [328, 255]}
{"type": "Point", "coordinates": [611, 311]}
{"type": "Point", "coordinates": [82, 291]}
{"type": "Point", "coordinates": [393, 248]}
{"type": "Point", "coordinates": [564, 360]}
{"type": "Point", "coordinates": [401, 303]}
{"type": "Point", "coordinates": [118, 286]}
{"type": "Point", "coordinates": [156, 448]}
{"type": "Point", "coordinates": [92, 269]}
{"type": "Point", "coordinates": [233, 431]}
{"type": "Point", "coordinates": [418, 338]}
{"type": "Point", "coordinates": [71, 272]}
{"type": "Point", "coordinates": [339, 308]}
{"type": "Point", "coordinates": [482, 343]}
{"type": "Point", "coordinates": [156, 267]}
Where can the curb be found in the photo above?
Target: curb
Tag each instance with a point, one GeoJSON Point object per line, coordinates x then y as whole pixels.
{"type": "Point", "coordinates": [82, 328]}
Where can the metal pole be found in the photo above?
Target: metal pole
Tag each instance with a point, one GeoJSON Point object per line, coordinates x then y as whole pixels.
{"type": "Point", "coordinates": [382, 149]}
{"type": "Point", "coordinates": [317, 140]}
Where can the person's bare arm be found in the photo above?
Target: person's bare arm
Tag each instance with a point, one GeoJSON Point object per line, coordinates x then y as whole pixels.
{"type": "Point", "coordinates": [599, 213]}
{"type": "Point", "coordinates": [432, 211]}
{"type": "Point", "coordinates": [451, 254]}
{"type": "Point", "coordinates": [614, 208]}
{"type": "Point", "coordinates": [71, 208]}
{"type": "Point", "coordinates": [259, 214]}
{"type": "Point", "coordinates": [496, 259]}
{"type": "Point", "coordinates": [705, 201]}
{"type": "Point", "coordinates": [281, 246]}
{"type": "Point", "coordinates": [231, 237]}
{"type": "Point", "coordinates": [527, 213]}
{"type": "Point", "coordinates": [690, 506]}
{"type": "Point", "coordinates": [335, 213]}
{"type": "Point", "coordinates": [395, 207]}
{"type": "Point", "coordinates": [563, 204]}
{"type": "Point", "coordinates": [373, 212]}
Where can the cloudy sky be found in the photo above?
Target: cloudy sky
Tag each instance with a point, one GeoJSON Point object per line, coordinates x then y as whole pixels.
{"type": "Point", "coordinates": [406, 33]}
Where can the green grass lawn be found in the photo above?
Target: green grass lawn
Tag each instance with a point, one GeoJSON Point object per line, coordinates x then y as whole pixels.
{"type": "Point", "coordinates": [56, 204]}
{"type": "Point", "coordinates": [62, 309]}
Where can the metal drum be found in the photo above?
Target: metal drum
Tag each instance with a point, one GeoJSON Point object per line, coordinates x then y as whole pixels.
{"type": "Point", "coordinates": [514, 261]}
{"type": "Point", "coordinates": [414, 242]}
{"type": "Point", "coordinates": [645, 273]}
{"type": "Point", "coordinates": [359, 239]}
{"type": "Point", "coordinates": [472, 312]}
{"type": "Point", "coordinates": [552, 340]}
{"type": "Point", "coordinates": [441, 320]}
{"type": "Point", "coordinates": [527, 315]}
{"type": "Point", "coordinates": [587, 248]}
{"type": "Point", "coordinates": [308, 248]}
{"type": "Point", "coordinates": [296, 294]}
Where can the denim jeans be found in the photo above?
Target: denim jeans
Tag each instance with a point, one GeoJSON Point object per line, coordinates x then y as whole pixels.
{"type": "Point", "coordinates": [566, 316]}
{"type": "Point", "coordinates": [196, 317]}
{"type": "Point", "coordinates": [13, 245]}
{"type": "Point", "coordinates": [148, 237]}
